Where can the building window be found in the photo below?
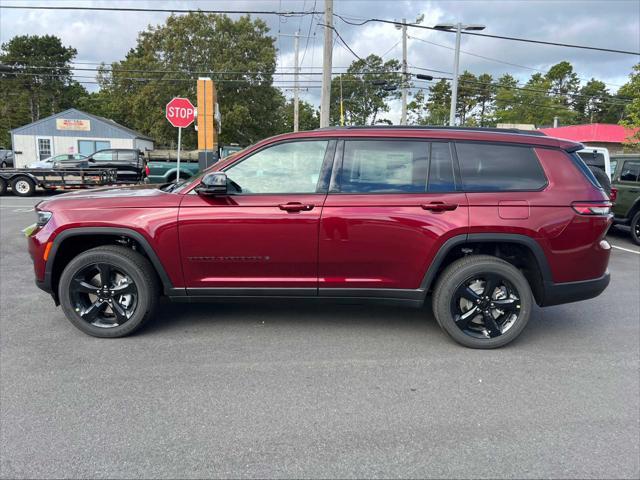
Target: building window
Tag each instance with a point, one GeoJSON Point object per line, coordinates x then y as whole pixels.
{"type": "Point", "coordinates": [87, 147]}
{"type": "Point", "coordinates": [44, 148]}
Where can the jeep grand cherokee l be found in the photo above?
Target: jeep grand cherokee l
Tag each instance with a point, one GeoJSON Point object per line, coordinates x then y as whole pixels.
{"type": "Point", "coordinates": [484, 222]}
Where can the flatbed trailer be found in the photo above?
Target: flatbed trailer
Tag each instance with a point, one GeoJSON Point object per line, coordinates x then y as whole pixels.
{"type": "Point", "coordinates": [24, 181]}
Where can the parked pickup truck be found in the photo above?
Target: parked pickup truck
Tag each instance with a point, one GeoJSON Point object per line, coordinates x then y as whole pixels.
{"type": "Point", "coordinates": [166, 172]}
{"type": "Point", "coordinates": [626, 183]}
{"type": "Point", "coordinates": [130, 163]}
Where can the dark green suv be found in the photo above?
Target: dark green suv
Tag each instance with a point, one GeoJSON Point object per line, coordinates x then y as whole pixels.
{"type": "Point", "coordinates": [626, 179]}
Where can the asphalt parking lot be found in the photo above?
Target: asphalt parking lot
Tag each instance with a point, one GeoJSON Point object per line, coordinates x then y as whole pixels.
{"type": "Point", "coordinates": [255, 390]}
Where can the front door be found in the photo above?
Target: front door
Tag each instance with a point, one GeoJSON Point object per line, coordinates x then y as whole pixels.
{"type": "Point", "coordinates": [390, 207]}
{"type": "Point", "coordinates": [45, 147]}
{"type": "Point", "coordinates": [264, 236]}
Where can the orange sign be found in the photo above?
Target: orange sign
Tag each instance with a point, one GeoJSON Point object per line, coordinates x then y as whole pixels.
{"type": "Point", "coordinates": [73, 124]}
{"type": "Point", "coordinates": [207, 135]}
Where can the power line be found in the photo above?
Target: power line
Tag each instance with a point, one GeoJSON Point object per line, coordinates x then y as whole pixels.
{"type": "Point", "coordinates": [162, 10]}
{"type": "Point", "coordinates": [342, 40]}
{"type": "Point", "coordinates": [304, 13]}
{"type": "Point", "coordinates": [501, 37]}
{"type": "Point", "coordinates": [466, 52]}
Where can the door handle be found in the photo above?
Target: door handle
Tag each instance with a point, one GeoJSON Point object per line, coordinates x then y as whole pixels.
{"type": "Point", "coordinates": [293, 207]}
{"type": "Point", "coordinates": [439, 206]}
{"type": "Point", "coordinates": [634, 190]}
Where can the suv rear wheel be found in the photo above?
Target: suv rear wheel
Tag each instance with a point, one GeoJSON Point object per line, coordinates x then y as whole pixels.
{"type": "Point", "coordinates": [108, 291]}
{"type": "Point", "coordinates": [635, 228]}
{"type": "Point", "coordinates": [482, 301]}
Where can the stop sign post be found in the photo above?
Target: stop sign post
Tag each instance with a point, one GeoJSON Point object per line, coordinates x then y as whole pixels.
{"type": "Point", "coordinates": [181, 113]}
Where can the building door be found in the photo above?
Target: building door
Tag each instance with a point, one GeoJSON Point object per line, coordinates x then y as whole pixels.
{"type": "Point", "coordinates": [44, 147]}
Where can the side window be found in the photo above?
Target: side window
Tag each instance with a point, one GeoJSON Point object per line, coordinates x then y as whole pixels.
{"type": "Point", "coordinates": [126, 156]}
{"type": "Point", "coordinates": [384, 166]}
{"type": "Point", "coordinates": [106, 156]}
{"type": "Point", "coordinates": [490, 168]}
{"type": "Point", "coordinates": [440, 169]}
{"type": "Point", "coordinates": [630, 171]}
{"type": "Point", "coordinates": [292, 167]}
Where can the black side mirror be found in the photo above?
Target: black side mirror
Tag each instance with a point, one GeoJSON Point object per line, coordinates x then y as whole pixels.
{"type": "Point", "coordinates": [213, 184]}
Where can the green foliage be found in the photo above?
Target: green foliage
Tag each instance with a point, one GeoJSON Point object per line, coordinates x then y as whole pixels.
{"type": "Point", "coordinates": [563, 83]}
{"type": "Point", "coordinates": [432, 109]}
{"type": "Point", "coordinates": [36, 81]}
{"type": "Point", "coordinates": [182, 49]}
{"type": "Point", "coordinates": [308, 116]}
{"type": "Point", "coordinates": [364, 100]}
{"type": "Point", "coordinates": [631, 90]}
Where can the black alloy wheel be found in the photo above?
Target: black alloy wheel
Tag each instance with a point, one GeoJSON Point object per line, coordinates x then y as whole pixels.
{"type": "Point", "coordinates": [485, 306]}
{"type": "Point", "coordinates": [104, 295]}
{"type": "Point", "coordinates": [635, 228]}
{"type": "Point", "coordinates": [109, 291]}
{"type": "Point", "coordinates": [482, 301]}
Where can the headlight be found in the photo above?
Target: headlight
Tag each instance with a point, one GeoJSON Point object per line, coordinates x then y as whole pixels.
{"type": "Point", "coordinates": [43, 217]}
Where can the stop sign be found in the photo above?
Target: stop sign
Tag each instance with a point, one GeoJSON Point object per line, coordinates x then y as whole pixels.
{"type": "Point", "coordinates": [180, 112]}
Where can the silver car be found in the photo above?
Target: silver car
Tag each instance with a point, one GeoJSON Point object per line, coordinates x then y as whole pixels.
{"type": "Point", "coordinates": [51, 161]}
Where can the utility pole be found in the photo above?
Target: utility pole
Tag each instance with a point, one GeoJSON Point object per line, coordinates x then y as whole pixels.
{"type": "Point", "coordinates": [325, 98]}
{"type": "Point", "coordinates": [454, 85]}
{"type": "Point", "coordinates": [458, 27]}
{"type": "Point", "coordinates": [296, 85]}
{"type": "Point", "coordinates": [403, 117]}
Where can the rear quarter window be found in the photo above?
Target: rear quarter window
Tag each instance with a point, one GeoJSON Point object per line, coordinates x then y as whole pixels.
{"type": "Point", "coordinates": [492, 168]}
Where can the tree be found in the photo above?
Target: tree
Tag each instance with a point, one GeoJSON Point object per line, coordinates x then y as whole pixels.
{"type": "Point", "coordinates": [484, 97]}
{"type": "Point", "coordinates": [308, 116]}
{"type": "Point", "coordinates": [467, 95]}
{"type": "Point", "coordinates": [563, 82]}
{"type": "Point", "coordinates": [36, 81]}
{"type": "Point", "coordinates": [592, 102]}
{"type": "Point", "coordinates": [365, 90]}
{"type": "Point", "coordinates": [238, 55]}
{"type": "Point", "coordinates": [631, 90]}
{"type": "Point", "coordinates": [530, 103]}
{"type": "Point", "coordinates": [432, 109]}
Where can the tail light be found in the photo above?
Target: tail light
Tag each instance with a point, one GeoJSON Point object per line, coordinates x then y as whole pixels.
{"type": "Point", "coordinates": [147, 170]}
{"type": "Point", "coordinates": [613, 196]}
{"type": "Point", "coordinates": [592, 208]}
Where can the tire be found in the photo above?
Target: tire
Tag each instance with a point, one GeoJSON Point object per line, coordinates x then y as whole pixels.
{"type": "Point", "coordinates": [3, 186]}
{"type": "Point", "coordinates": [124, 264]}
{"type": "Point", "coordinates": [635, 228]}
{"type": "Point", "coordinates": [23, 186]}
{"type": "Point", "coordinates": [478, 333]}
{"type": "Point", "coordinates": [603, 179]}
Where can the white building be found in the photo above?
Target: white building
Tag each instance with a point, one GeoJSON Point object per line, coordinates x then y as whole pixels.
{"type": "Point", "coordinates": [72, 131]}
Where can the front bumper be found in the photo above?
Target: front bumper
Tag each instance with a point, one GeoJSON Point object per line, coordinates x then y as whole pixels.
{"type": "Point", "coordinates": [559, 293]}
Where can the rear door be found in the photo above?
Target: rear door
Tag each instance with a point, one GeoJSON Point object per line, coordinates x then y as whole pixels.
{"type": "Point", "coordinates": [392, 203]}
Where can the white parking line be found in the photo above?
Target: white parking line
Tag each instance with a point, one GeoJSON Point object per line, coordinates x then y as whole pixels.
{"type": "Point", "coordinates": [625, 249]}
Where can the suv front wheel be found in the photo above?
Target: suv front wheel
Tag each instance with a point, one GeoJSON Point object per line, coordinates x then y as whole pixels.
{"type": "Point", "coordinates": [482, 301]}
{"type": "Point", "coordinates": [108, 291]}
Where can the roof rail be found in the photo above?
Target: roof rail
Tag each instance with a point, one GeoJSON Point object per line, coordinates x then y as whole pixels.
{"type": "Point", "coordinates": [536, 133]}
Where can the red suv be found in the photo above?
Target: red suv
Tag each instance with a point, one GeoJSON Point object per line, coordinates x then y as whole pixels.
{"type": "Point", "coordinates": [485, 221]}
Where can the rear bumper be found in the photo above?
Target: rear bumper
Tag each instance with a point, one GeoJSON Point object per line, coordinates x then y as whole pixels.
{"type": "Point", "coordinates": [559, 293]}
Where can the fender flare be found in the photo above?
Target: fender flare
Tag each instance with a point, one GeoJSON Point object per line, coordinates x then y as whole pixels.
{"type": "Point", "coordinates": [453, 242]}
{"type": "Point", "coordinates": [113, 231]}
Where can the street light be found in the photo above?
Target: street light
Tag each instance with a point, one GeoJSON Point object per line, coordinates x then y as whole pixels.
{"type": "Point", "coordinates": [458, 27]}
